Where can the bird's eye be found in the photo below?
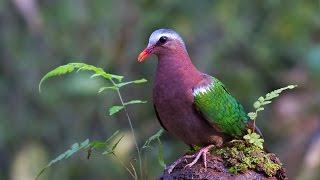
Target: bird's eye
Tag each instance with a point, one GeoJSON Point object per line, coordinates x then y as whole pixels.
{"type": "Point", "coordinates": [162, 39]}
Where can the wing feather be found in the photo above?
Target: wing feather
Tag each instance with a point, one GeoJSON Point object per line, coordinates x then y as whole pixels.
{"type": "Point", "coordinates": [219, 107]}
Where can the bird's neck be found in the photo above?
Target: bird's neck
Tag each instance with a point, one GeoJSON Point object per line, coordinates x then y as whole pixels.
{"type": "Point", "coordinates": [177, 66]}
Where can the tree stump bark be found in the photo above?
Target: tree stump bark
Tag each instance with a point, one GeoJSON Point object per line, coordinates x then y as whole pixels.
{"type": "Point", "coordinates": [218, 166]}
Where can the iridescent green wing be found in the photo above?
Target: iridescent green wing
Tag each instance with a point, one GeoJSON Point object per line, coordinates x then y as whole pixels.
{"type": "Point", "coordinates": [219, 108]}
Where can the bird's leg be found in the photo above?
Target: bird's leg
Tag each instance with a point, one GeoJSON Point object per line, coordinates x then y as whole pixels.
{"type": "Point", "coordinates": [170, 168]}
{"type": "Point", "coordinates": [202, 152]}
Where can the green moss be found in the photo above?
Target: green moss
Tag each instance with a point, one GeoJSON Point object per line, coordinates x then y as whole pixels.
{"type": "Point", "coordinates": [270, 167]}
{"type": "Point", "coordinates": [195, 148]}
{"type": "Point", "coordinates": [240, 156]}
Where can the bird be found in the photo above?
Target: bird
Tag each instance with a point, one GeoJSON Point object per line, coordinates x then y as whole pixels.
{"type": "Point", "coordinates": [195, 107]}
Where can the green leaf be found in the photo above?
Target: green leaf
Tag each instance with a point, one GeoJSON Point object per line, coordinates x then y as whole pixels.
{"type": "Point", "coordinates": [276, 92]}
{"type": "Point", "coordinates": [97, 144]}
{"type": "Point", "coordinates": [135, 102]}
{"type": "Point", "coordinates": [257, 104]}
{"type": "Point", "coordinates": [95, 75]}
{"type": "Point", "coordinates": [131, 82]}
{"type": "Point", "coordinates": [160, 154]}
{"type": "Point", "coordinates": [266, 102]}
{"type": "Point", "coordinates": [261, 99]}
{"type": "Point", "coordinates": [74, 148]}
{"type": "Point", "coordinates": [252, 115]}
{"type": "Point", "coordinates": [111, 150]}
{"type": "Point", "coordinates": [271, 95]}
{"type": "Point", "coordinates": [154, 137]}
{"type": "Point", "coordinates": [105, 88]}
{"type": "Point", "coordinates": [260, 109]}
{"type": "Point", "coordinates": [71, 67]}
{"type": "Point", "coordinates": [254, 138]}
{"type": "Point", "coordinates": [112, 136]}
{"type": "Point", "coordinates": [246, 137]}
{"type": "Point", "coordinates": [116, 144]}
{"type": "Point", "coordinates": [115, 109]}
{"type": "Point", "coordinates": [102, 145]}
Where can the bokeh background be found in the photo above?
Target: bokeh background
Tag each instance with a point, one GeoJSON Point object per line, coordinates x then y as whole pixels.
{"type": "Point", "coordinates": [252, 46]}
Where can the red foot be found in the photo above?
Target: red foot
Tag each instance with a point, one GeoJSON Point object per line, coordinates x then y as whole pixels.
{"type": "Point", "coordinates": [202, 152]}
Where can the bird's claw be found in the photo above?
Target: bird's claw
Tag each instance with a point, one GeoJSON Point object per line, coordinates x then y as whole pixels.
{"type": "Point", "coordinates": [170, 168]}
{"type": "Point", "coordinates": [202, 152]}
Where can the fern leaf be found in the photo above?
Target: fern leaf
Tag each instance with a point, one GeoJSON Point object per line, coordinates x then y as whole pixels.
{"type": "Point", "coordinates": [132, 82]}
{"type": "Point", "coordinates": [135, 102]}
{"type": "Point", "coordinates": [102, 145]}
{"type": "Point", "coordinates": [74, 148]}
{"type": "Point", "coordinates": [160, 155]}
{"type": "Point", "coordinates": [154, 137]}
{"type": "Point", "coordinates": [115, 109]}
{"type": "Point", "coordinates": [258, 105]}
{"type": "Point", "coordinates": [71, 67]}
{"type": "Point", "coordinates": [252, 137]}
{"type": "Point", "coordinates": [111, 150]}
{"type": "Point", "coordinates": [105, 88]}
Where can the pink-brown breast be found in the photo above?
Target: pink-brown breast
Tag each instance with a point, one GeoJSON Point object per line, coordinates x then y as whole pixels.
{"type": "Point", "coordinates": [173, 100]}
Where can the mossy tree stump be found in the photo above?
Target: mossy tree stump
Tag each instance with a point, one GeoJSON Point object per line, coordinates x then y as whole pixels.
{"type": "Point", "coordinates": [236, 160]}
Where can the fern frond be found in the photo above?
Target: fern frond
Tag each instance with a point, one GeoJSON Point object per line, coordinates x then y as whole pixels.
{"type": "Point", "coordinates": [252, 137]}
{"type": "Point", "coordinates": [262, 101]}
{"type": "Point", "coordinates": [74, 148]}
{"type": "Point", "coordinates": [71, 67]}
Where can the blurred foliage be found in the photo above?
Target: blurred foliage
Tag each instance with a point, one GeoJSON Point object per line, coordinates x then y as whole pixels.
{"type": "Point", "coordinates": [252, 46]}
{"type": "Point", "coordinates": [115, 83]}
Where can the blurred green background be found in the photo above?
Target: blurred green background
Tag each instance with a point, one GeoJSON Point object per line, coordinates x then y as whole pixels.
{"type": "Point", "coordinates": [252, 46]}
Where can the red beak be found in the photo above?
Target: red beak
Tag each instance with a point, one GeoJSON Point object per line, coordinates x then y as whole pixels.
{"type": "Point", "coordinates": [145, 53]}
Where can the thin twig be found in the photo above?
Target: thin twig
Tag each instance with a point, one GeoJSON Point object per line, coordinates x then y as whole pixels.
{"type": "Point", "coordinates": [123, 165]}
{"type": "Point", "coordinates": [134, 170]}
{"type": "Point", "coordinates": [254, 124]}
{"type": "Point", "coordinates": [131, 126]}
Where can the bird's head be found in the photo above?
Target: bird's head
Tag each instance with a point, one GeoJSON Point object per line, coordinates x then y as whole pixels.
{"type": "Point", "coordinates": [162, 41]}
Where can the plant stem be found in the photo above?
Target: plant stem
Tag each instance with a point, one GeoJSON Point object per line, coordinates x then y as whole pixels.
{"type": "Point", "coordinates": [254, 123]}
{"type": "Point", "coordinates": [123, 165]}
{"type": "Point", "coordinates": [131, 127]}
